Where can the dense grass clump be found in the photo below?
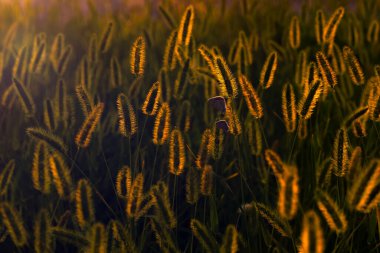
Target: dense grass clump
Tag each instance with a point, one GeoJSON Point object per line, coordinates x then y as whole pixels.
{"type": "Point", "coordinates": [211, 126]}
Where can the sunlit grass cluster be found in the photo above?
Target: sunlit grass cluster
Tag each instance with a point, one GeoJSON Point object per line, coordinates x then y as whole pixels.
{"type": "Point", "coordinates": [210, 126]}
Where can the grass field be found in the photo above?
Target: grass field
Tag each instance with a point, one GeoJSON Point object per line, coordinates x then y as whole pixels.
{"type": "Point", "coordinates": [190, 126]}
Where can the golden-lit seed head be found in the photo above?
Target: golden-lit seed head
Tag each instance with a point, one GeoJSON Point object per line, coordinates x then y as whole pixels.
{"type": "Point", "coordinates": [340, 153]}
{"type": "Point", "coordinates": [226, 80]}
{"type": "Point", "coordinates": [335, 218]}
{"type": "Point", "coordinates": [135, 196]}
{"type": "Point", "coordinates": [319, 25]}
{"type": "Point", "coordinates": [254, 137]}
{"type": "Point", "coordinates": [162, 124]}
{"type": "Point", "coordinates": [170, 59]}
{"type": "Point", "coordinates": [177, 156]}
{"type": "Point", "coordinates": [331, 27]}
{"type": "Point", "coordinates": [230, 240]}
{"type": "Point", "coordinates": [138, 56]}
{"type": "Point", "coordinates": [12, 220]}
{"type": "Point", "coordinates": [127, 117]}
{"type": "Point", "coordinates": [373, 32]}
{"type": "Point", "coordinates": [97, 238]}
{"type": "Point", "coordinates": [106, 38]}
{"type": "Point", "coordinates": [205, 149]}
{"type": "Point", "coordinates": [232, 117]}
{"type": "Point", "coordinates": [294, 33]}
{"type": "Point", "coordinates": [186, 26]}
{"type": "Point", "coordinates": [275, 163]}
{"type": "Point", "coordinates": [83, 137]}
{"type": "Point", "coordinates": [162, 208]}
{"type": "Point", "coordinates": [204, 236]}
{"type": "Point", "coordinates": [152, 99]}
{"type": "Point", "coordinates": [353, 66]}
{"type": "Point", "coordinates": [251, 97]}
{"type": "Point", "coordinates": [272, 217]}
{"type": "Point", "coordinates": [192, 186]}
{"type": "Point", "coordinates": [364, 195]}
{"type": "Point", "coordinates": [124, 182]}
{"type": "Point", "coordinates": [289, 112]}
{"type": "Point", "coordinates": [85, 212]}
{"type": "Point", "coordinates": [312, 239]}
{"type": "Point", "coordinates": [61, 175]}
{"type": "Point", "coordinates": [6, 176]}
{"type": "Point", "coordinates": [288, 194]}
{"type": "Point", "coordinates": [268, 71]}
{"type": "Point", "coordinates": [328, 74]}
{"type": "Point", "coordinates": [207, 180]}
{"type": "Point", "coordinates": [309, 101]}
{"type": "Point", "coordinates": [40, 168]}
{"type": "Point", "coordinates": [42, 232]}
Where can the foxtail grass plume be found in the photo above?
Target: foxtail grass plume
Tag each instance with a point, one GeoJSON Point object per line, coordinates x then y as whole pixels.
{"type": "Point", "coordinates": [275, 163]}
{"type": "Point", "coordinates": [127, 117]}
{"type": "Point", "coordinates": [230, 242]}
{"type": "Point", "coordinates": [106, 38]}
{"type": "Point", "coordinates": [181, 81]}
{"type": "Point", "coordinates": [353, 66]}
{"type": "Point", "coordinates": [205, 149]}
{"type": "Point", "coordinates": [309, 101]}
{"type": "Point", "coordinates": [331, 27]}
{"type": "Point", "coordinates": [192, 186]}
{"type": "Point", "coordinates": [373, 32]}
{"type": "Point", "coordinates": [288, 194]}
{"type": "Point", "coordinates": [234, 125]}
{"type": "Point", "coordinates": [135, 196]}
{"type": "Point", "coordinates": [183, 121]}
{"type": "Point", "coordinates": [340, 153]}
{"type": "Point", "coordinates": [85, 212]}
{"type": "Point", "coordinates": [12, 220]}
{"type": "Point", "coordinates": [207, 180]}
{"type": "Point", "coordinates": [204, 236]}
{"type": "Point", "coordinates": [254, 137]}
{"type": "Point", "coordinates": [363, 194]}
{"type": "Point", "coordinates": [83, 137]}
{"type": "Point", "coordinates": [138, 56]}
{"type": "Point", "coordinates": [312, 239]}
{"type": "Point", "coordinates": [208, 56]}
{"type": "Point", "coordinates": [6, 176]}
{"type": "Point", "coordinates": [170, 58]}
{"type": "Point", "coordinates": [85, 101]}
{"type": "Point", "coordinates": [333, 215]}
{"type": "Point", "coordinates": [319, 25]}
{"type": "Point", "coordinates": [40, 168]}
{"type": "Point", "coordinates": [186, 27]}
{"type": "Point", "coordinates": [42, 232]}
{"type": "Point", "coordinates": [53, 141]}
{"type": "Point", "coordinates": [124, 182]}
{"type": "Point", "coordinates": [61, 176]}
{"type": "Point", "coordinates": [226, 80]}
{"type": "Point", "coordinates": [272, 217]}
{"type": "Point", "coordinates": [251, 97]}
{"type": "Point", "coordinates": [328, 74]}
{"type": "Point", "coordinates": [177, 156]}
{"type": "Point", "coordinates": [162, 125]}
{"type": "Point", "coordinates": [289, 112]}
{"type": "Point", "coordinates": [218, 146]}
{"type": "Point", "coordinates": [97, 238]}
{"type": "Point", "coordinates": [268, 71]}
{"type": "Point", "coordinates": [374, 103]}
{"type": "Point", "coordinates": [294, 33]}
{"type": "Point", "coordinates": [161, 200]}
{"type": "Point", "coordinates": [152, 99]}
{"type": "Point", "coordinates": [25, 98]}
